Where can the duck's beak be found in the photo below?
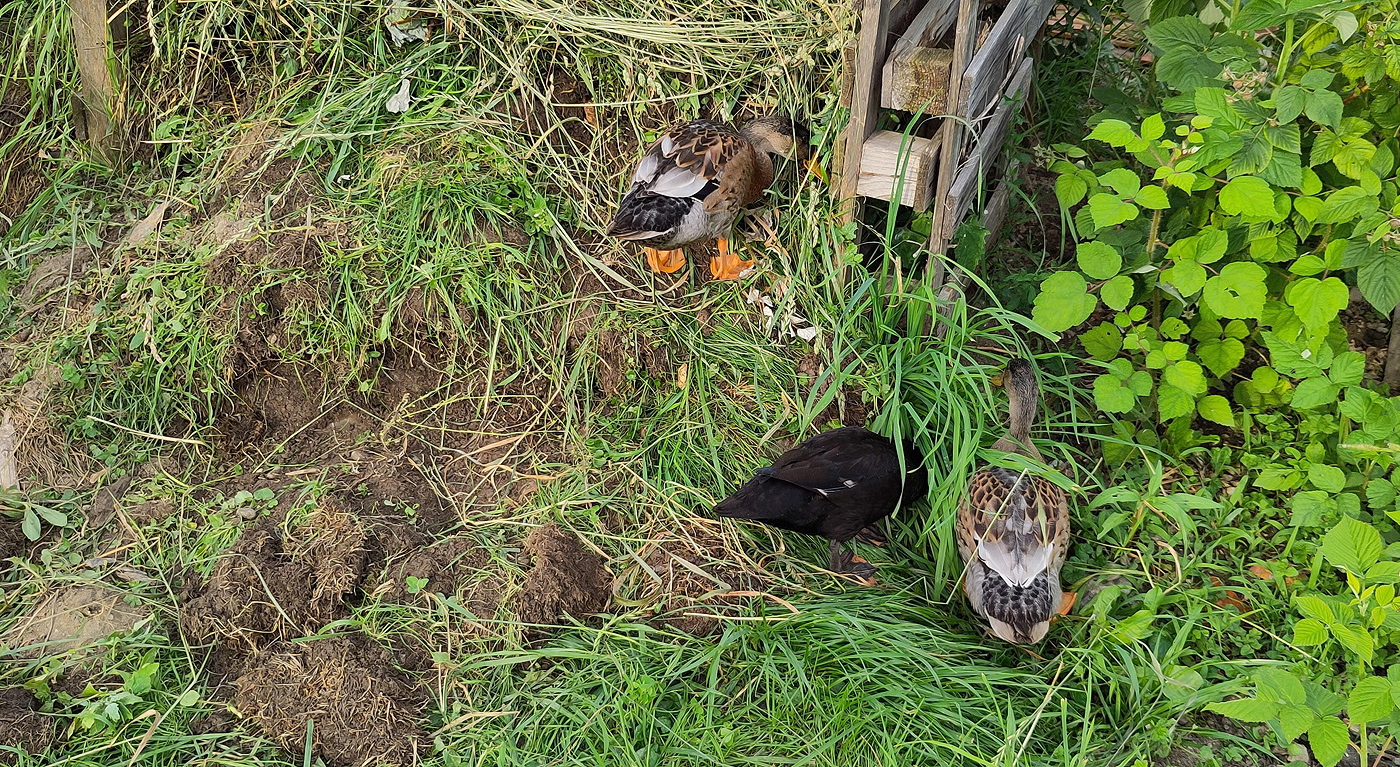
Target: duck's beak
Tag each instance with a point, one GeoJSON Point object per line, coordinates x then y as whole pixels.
{"type": "Point", "coordinates": [998, 378]}
{"type": "Point", "coordinates": [815, 168]}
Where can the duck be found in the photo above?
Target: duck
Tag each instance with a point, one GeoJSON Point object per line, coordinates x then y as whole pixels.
{"type": "Point", "coordinates": [1013, 528]}
{"type": "Point", "coordinates": [835, 485]}
{"type": "Point", "coordinates": [693, 182]}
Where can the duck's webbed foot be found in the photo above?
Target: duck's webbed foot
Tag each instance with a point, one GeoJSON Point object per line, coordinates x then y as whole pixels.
{"type": "Point", "coordinates": [873, 536]}
{"type": "Point", "coordinates": [727, 265]}
{"type": "Point", "coordinates": [665, 261]}
{"type": "Point", "coordinates": [849, 564]}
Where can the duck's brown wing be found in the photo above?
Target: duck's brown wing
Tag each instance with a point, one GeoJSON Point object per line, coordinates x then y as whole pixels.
{"type": "Point", "coordinates": [1015, 523]}
{"type": "Point", "coordinates": [687, 167]}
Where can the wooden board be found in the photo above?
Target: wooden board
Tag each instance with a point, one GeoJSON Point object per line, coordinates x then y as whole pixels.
{"type": "Point", "coordinates": [865, 103]}
{"type": "Point", "coordinates": [101, 108]}
{"type": "Point", "coordinates": [987, 74]}
{"type": "Point", "coordinates": [986, 150]}
{"type": "Point", "coordinates": [899, 16]}
{"type": "Point", "coordinates": [918, 81]}
{"type": "Point", "coordinates": [964, 43]}
{"type": "Point", "coordinates": [994, 214]}
{"type": "Point", "coordinates": [889, 157]}
{"type": "Point", "coordinates": [914, 71]}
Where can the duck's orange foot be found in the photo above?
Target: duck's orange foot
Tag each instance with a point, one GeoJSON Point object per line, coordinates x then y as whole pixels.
{"type": "Point", "coordinates": [1067, 601]}
{"type": "Point", "coordinates": [665, 261]}
{"type": "Point", "coordinates": [727, 266]}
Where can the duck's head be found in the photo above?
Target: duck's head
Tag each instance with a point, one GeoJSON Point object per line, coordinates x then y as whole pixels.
{"type": "Point", "coordinates": [782, 136]}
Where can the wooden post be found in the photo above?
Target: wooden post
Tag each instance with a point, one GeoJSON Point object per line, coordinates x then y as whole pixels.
{"type": "Point", "coordinates": [865, 108]}
{"type": "Point", "coordinates": [964, 42]}
{"type": "Point", "coordinates": [103, 111]}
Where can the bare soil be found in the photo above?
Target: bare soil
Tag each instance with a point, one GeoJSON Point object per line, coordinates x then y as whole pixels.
{"type": "Point", "coordinates": [21, 724]}
{"type": "Point", "coordinates": [566, 579]}
{"type": "Point", "coordinates": [694, 578]}
{"type": "Point", "coordinates": [77, 617]}
{"type": "Point", "coordinates": [267, 588]}
{"type": "Point", "coordinates": [363, 710]}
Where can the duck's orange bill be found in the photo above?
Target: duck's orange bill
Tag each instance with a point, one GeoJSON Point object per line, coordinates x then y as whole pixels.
{"type": "Point", "coordinates": [815, 168]}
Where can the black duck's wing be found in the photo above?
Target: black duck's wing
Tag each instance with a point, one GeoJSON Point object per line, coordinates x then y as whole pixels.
{"type": "Point", "coordinates": [849, 467]}
{"type": "Point", "coordinates": [776, 503]}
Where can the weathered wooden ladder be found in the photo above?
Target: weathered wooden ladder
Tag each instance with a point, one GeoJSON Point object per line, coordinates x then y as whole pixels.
{"type": "Point", "coordinates": [973, 80]}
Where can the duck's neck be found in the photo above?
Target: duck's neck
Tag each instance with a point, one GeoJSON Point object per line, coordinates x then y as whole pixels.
{"type": "Point", "coordinates": [762, 177]}
{"type": "Point", "coordinates": [1024, 395]}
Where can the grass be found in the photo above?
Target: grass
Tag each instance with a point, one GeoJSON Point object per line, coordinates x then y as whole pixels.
{"type": "Point", "coordinates": [467, 232]}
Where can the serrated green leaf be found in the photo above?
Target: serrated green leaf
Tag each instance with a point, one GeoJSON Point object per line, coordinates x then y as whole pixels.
{"type": "Point", "coordinates": [1063, 302]}
{"type": "Point", "coordinates": [1121, 180]}
{"type": "Point", "coordinates": [1289, 101]}
{"type": "Point", "coordinates": [1107, 210]}
{"type": "Point", "coordinates": [1113, 132]}
{"type": "Point", "coordinates": [1247, 196]}
{"type": "Point", "coordinates": [1098, 260]}
{"type": "Point", "coordinates": [1186, 376]}
{"type": "Point", "coordinates": [1111, 396]}
{"type": "Point", "coordinates": [1070, 189]}
{"type": "Point", "coordinates": [1380, 494]}
{"type": "Point", "coordinates": [1188, 277]}
{"type": "Point", "coordinates": [1314, 607]}
{"type": "Point", "coordinates": [1329, 739]}
{"type": "Point", "coordinates": [1117, 292]}
{"type": "Point", "coordinates": [1152, 198]}
{"type": "Point", "coordinates": [1310, 508]}
{"type": "Point", "coordinates": [1220, 355]}
{"type": "Point", "coordinates": [1328, 478]}
{"type": "Point", "coordinates": [1103, 341]}
{"type": "Point", "coordinates": [1315, 392]}
{"type": "Point", "coordinates": [1379, 280]}
{"type": "Point", "coordinates": [1246, 709]}
{"type": "Point", "coordinates": [1348, 368]}
{"type": "Point", "coordinates": [1352, 545]}
{"type": "Point", "coordinates": [1370, 700]}
{"type": "Point", "coordinates": [1346, 204]}
{"type": "Point", "coordinates": [1309, 632]}
{"type": "Point", "coordinates": [1173, 402]}
{"type": "Point", "coordinates": [1294, 721]}
{"type": "Point", "coordinates": [1355, 639]}
{"type": "Point", "coordinates": [1238, 292]}
{"type": "Point", "coordinates": [1324, 108]}
{"type": "Point", "coordinates": [1318, 302]}
{"type": "Point", "coordinates": [1216, 408]}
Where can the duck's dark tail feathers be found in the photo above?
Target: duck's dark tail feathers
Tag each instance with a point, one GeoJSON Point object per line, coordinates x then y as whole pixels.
{"type": "Point", "coordinates": [1020, 615]}
{"type": "Point", "coordinates": [762, 499]}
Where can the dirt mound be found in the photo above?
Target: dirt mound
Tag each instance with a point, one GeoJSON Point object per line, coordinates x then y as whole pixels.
{"type": "Point", "coordinates": [21, 725]}
{"type": "Point", "coordinates": [448, 567]}
{"type": "Point", "coordinates": [266, 588]}
{"type": "Point", "coordinates": [74, 618]}
{"type": "Point", "coordinates": [566, 579]}
{"type": "Point", "coordinates": [695, 574]}
{"type": "Point", "coordinates": [363, 710]}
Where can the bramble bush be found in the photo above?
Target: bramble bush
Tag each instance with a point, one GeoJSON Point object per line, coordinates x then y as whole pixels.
{"type": "Point", "coordinates": [1219, 232]}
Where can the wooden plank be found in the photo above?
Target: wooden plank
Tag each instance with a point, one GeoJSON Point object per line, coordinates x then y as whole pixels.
{"type": "Point", "coordinates": [994, 214]}
{"type": "Point", "coordinates": [986, 151]}
{"type": "Point", "coordinates": [865, 94]}
{"type": "Point", "coordinates": [917, 81]}
{"type": "Point", "coordinates": [900, 14]}
{"type": "Point", "coordinates": [889, 157]}
{"type": "Point", "coordinates": [950, 134]}
{"type": "Point", "coordinates": [924, 30]}
{"type": "Point", "coordinates": [987, 73]}
{"type": "Point", "coordinates": [102, 111]}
